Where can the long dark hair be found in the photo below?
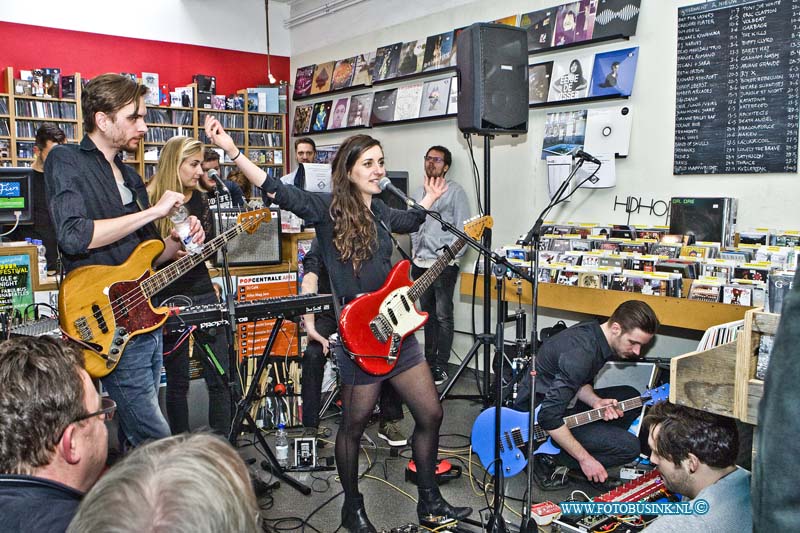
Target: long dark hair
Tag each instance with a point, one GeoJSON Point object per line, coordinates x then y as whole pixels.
{"type": "Point", "coordinates": [354, 231]}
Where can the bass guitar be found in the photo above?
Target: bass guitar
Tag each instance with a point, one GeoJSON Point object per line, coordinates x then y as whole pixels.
{"type": "Point", "coordinates": [103, 307]}
{"type": "Point", "coordinates": [372, 327]}
{"type": "Point", "coordinates": [514, 431]}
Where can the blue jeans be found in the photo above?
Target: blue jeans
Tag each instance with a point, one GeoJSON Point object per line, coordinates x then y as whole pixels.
{"type": "Point", "coordinates": [134, 386]}
{"type": "Point", "coordinates": [437, 301]}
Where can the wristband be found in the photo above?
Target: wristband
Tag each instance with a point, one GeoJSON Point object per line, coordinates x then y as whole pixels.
{"type": "Point", "coordinates": [237, 155]}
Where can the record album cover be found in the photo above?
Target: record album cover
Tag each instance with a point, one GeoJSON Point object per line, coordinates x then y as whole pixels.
{"type": "Point", "coordinates": [409, 98]}
{"type": "Point", "coordinates": [584, 21]}
{"type": "Point", "coordinates": [438, 51]}
{"type": "Point", "coordinates": [383, 105]}
{"type": "Point", "coordinates": [343, 73]}
{"type": "Point", "coordinates": [566, 23]}
{"type": "Point", "coordinates": [339, 114]}
{"type": "Point", "coordinates": [614, 72]}
{"type": "Point", "coordinates": [539, 27]}
{"type": "Point", "coordinates": [608, 130]}
{"type": "Point", "coordinates": [616, 17]}
{"type": "Point", "coordinates": [570, 79]}
{"type": "Point", "coordinates": [150, 80]}
{"type": "Point", "coordinates": [302, 81]}
{"type": "Point", "coordinates": [412, 55]}
{"type": "Point", "coordinates": [321, 114]}
{"type": "Point", "coordinates": [564, 133]}
{"type": "Point", "coordinates": [360, 110]}
{"type": "Point", "coordinates": [510, 20]}
{"type": "Point", "coordinates": [539, 77]}
{"type": "Point", "coordinates": [365, 63]}
{"type": "Point", "coordinates": [322, 78]}
{"type": "Point", "coordinates": [387, 59]}
{"type": "Point", "coordinates": [434, 98]}
{"type": "Point", "coordinates": [452, 104]}
{"type": "Point", "coordinates": [302, 119]}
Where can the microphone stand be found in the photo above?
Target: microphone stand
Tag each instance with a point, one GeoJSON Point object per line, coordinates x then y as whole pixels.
{"type": "Point", "coordinates": [496, 523]}
{"type": "Point", "coordinates": [533, 239]}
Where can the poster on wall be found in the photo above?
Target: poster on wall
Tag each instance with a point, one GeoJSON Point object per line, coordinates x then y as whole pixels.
{"type": "Point", "coordinates": [16, 284]}
{"type": "Point", "coordinates": [564, 133]}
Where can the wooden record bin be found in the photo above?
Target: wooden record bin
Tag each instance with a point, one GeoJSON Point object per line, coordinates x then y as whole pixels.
{"type": "Point", "coordinates": [750, 389]}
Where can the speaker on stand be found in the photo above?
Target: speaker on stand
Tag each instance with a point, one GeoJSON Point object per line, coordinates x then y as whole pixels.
{"type": "Point", "coordinates": [492, 69]}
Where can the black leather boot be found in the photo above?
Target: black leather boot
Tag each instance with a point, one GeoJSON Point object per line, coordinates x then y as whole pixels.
{"type": "Point", "coordinates": [354, 516]}
{"type": "Point", "coordinates": [432, 503]}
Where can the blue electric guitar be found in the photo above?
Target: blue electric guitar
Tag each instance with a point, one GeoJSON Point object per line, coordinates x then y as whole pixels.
{"type": "Point", "coordinates": [514, 431]}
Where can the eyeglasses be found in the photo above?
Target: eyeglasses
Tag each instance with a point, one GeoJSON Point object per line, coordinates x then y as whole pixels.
{"type": "Point", "coordinates": [433, 159]}
{"type": "Point", "coordinates": [107, 408]}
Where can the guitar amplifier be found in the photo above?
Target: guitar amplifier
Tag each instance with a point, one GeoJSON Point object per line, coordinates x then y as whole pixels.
{"type": "Point", "coordinates": [262, 247]}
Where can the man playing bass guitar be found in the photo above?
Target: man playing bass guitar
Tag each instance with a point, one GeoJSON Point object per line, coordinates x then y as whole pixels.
{"type": "Point", "coordinates": [101, 214]}
{"type": "Point", "coordinates": [566, 366]}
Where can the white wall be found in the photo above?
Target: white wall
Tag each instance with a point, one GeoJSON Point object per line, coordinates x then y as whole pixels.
{"type": "Point", "coordinates": [518, 176]}
{"type": "Point", "coordinates": [227, 24]}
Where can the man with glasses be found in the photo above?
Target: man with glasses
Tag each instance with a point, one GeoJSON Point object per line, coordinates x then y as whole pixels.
{"type": "Point", "coordinates": [53, 437]}
{"type": "Point", "coordinates": [428, 244]}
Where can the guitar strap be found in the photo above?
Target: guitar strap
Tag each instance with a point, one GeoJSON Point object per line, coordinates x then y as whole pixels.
{"type": "Point", "coordinates": [399, 248]}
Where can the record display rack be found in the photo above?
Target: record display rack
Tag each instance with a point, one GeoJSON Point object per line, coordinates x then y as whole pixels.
{"type": "Point", "coordinates": [23, 114]}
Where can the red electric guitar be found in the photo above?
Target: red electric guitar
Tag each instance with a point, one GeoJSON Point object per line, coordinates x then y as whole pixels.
{"type": "Point", "coordinates": [372, 327]}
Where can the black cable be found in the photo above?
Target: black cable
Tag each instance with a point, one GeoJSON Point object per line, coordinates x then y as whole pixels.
{"type": "Point", "coordinates": [475, 174]}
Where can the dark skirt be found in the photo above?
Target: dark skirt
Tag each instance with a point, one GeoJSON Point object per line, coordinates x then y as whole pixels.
{"type": "Point", "coordinates": [350, 374]}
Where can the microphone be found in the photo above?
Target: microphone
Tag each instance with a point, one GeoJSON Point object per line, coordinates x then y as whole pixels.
{"type": "Point", "coordinates": [588, 157]}
{"type": "Point", "coordinates": [386, 185]}
{"type": "Point", "coordinates": [214, 175]}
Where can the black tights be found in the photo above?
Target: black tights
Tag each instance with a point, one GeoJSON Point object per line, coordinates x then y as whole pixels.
{"type": "Point", "coordinates": [415, 386]}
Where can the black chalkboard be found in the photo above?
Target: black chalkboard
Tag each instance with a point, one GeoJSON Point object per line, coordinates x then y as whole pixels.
{"type": "Point", "coordinates": [738, 87]}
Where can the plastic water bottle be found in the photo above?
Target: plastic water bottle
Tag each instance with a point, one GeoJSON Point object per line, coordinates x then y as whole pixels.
{"type": "Point", "coordinates": [180, 219]}
{"type": "Point", "coordinates": [282, 446]}
{"type": "Point", "coordinates": [41, 250]}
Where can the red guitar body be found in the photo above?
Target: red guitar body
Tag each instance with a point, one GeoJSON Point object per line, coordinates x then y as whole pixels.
{"type": "Point", "coordinates": [372, 326]}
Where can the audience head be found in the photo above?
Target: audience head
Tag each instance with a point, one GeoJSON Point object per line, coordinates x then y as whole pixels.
{"type": "Point", "coordinates": [631, 327]}
{"type": "Point", "coordinates": [105, 95]}
{"type": "Point", "coordinates": [187, 483]}
{"type": "Point", "coordinates": [47, 136]}
{"type": "Point", "coordinates": [305, 150]}
{"type": "Point", "coordinates": [691, 448]}
{"type": "Point", "coordinates": [51, 417]}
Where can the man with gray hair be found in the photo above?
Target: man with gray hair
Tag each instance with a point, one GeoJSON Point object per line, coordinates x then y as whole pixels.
{"type": "Point", "coordinates": [190, 482]}
{"type": "Point", "coordinates": [53, 439]}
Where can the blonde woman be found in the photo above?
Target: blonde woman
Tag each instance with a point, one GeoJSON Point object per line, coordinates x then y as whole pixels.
{"type": "Point", "coordinates": [179, 169]}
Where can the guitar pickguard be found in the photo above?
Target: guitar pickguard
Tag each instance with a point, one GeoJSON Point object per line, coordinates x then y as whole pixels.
{"type": "Point", "coordinates": [398, 313]}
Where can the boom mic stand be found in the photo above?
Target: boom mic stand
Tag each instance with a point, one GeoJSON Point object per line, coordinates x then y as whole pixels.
{"type": "Point", "coordinates": [244, 401]}
{"type": "Point", "coordinates": [533, 238]}
{"type": "Point", "coordinates": [501, 265]}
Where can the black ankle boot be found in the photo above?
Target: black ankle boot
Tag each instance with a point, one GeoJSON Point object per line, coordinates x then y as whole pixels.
{"type": "Point", "coordinates": [354, 517]}
{"type": "Point", "coordinates": [432, 503]}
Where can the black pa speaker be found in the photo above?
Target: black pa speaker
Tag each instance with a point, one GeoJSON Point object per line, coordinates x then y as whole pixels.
{"type": "Point", "coordinates": [262, 247]}
{"type": "Point", "coordinates": [492, 64]}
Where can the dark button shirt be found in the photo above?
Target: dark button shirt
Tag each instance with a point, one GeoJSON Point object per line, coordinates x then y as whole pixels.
{"type": "Point", "coordinates": [81, 188]}
{"type": "Point", "coordinates": [314, 208]}
{"type": "Point", "coordinates": [565, 363]}
{"type": "Point", "coordinates": [34, 504]}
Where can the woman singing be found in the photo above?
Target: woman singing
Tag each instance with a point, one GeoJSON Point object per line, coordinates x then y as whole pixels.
{"type": "Point", "coordinates": [353, 230]}
{"type": "Point", "coordinates": [179, 169]}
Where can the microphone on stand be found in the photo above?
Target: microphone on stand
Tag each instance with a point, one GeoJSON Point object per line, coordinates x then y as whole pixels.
{"type": "Point", "coordinates": [588, 157]}
{"type": "Point", "coordinates": [386, 185]}
{"type": "Point", "coordinates": [214, 175]}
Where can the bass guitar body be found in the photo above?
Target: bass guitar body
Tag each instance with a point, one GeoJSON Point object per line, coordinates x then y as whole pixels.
{"type": "Point", "coordinates": [372, 327]}
{"type": "Point", "coordinates": [87, 313]}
